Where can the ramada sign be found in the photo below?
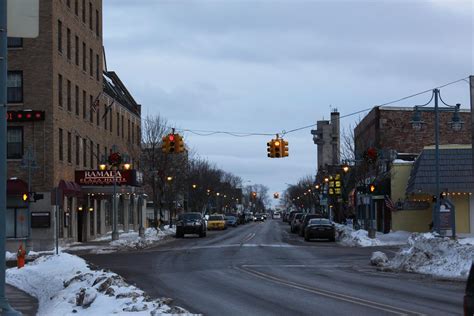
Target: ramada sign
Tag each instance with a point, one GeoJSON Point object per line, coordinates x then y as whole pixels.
{"type": "Point", "coordinates": [107, 177]}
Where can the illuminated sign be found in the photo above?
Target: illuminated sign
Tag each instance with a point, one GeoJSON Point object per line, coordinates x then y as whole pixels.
{"type": "Point", "coordinates": [108, 177]}
{"type": "Point", "coordinates": [25, 116]}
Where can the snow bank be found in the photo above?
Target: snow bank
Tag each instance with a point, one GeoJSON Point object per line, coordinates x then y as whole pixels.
{"type": "Point", "coordinates": [133, 241]}
{"type": "Point", "coordinates": [437, 256]}
{"type": "Point", "coordinates": [65, 285]}
{"type": "Point", "coordinates": [378, 259]}
{"type": "Point", "coordinates": [359, 238]}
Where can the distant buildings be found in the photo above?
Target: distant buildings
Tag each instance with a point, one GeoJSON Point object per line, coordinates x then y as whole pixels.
{"type": "Point", "coordinates": [84, 113]}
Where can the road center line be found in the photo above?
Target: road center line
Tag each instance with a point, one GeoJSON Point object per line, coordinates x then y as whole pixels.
{"type": "Point", "coordinates": [330, 294]}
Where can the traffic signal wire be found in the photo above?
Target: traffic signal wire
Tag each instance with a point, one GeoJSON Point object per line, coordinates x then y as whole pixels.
{"type": "Point", "coordinates": [284, 132]}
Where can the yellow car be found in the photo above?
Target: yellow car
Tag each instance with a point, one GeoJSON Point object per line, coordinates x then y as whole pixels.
{"type": "Point", "coordinates": [216, 221]}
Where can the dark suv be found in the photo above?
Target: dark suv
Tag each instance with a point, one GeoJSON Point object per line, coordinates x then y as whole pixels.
{"type": "Point", "coordinates": [469, 296]}
{"type": "Point", "coordinates": [304, 222]}
{"type": "Point", "coordinates": [190, 223]}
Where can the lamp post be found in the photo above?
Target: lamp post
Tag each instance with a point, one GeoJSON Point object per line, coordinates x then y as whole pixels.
{"type": "Point", "coordinates": [169, 179]}
{"type": "Point", "coordinates": [456, 125]}
{"type": "Point", "coordinates": [116, 161]}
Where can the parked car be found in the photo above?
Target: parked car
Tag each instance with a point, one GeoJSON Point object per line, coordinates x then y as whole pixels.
{"type": "Point", "coordinates": [190, 223]}
{"type": "Point", "coordinates": [276, 215]}
{"type": "Point", "coordinates": [469, 296]}
{"type": "Point", "coordinates": [320, 228]}
{"type": "Point", "coordinates": [305, 220]}
{"type": "Point", "coordinates": [291, 216]}
{"type": "Point", "coordinates": [259, 217]}
{"type": "Point", "coordinates": [296, 222]}
{"type": "Point", "coordinates": [231, 220]}
{"type": "Point", "coordinates": [248, 217]}
{"type": "Point", "coordinates": [216, 221]}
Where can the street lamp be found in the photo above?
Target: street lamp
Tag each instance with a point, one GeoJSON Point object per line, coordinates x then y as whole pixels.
{"type": "Point", "coordinates": [456, 125]}
{"type": "Point", "coordinates": [115, 162]}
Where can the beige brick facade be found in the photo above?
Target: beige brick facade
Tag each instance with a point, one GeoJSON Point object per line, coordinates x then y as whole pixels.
{"type": "Point", "coordinates": [61, 80]}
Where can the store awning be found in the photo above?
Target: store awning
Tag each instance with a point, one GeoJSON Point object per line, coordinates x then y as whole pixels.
{"type": "Point", "coordinates": [69, 188]}
{"type": "Point", "coordinates": [16, 187]}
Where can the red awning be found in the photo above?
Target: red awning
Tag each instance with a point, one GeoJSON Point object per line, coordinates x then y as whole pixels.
{"type": "Point", "coordinates": [69, 188]}
{"type": "Point", "coordinates": [16, 187]}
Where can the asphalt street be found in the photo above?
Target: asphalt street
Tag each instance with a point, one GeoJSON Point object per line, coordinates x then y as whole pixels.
{"type": "Point", "coordinates": [262, 269]}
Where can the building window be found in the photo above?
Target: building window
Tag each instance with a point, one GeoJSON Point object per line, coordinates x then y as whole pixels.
{"type": "Point", "coordinates": [60, 140]}
{"type": "Point", "coordinates": [105, 116]}
{"type": "Point", "coordinates": [133, 133]}
{"type": "Point", "coordinates": [98, 154]}
{"type": "Point", "coordinates": [76, 7]}
{"type": "Point", "coordinates": [91, 62]}
{"type": "Point", "coordinates": [84, 152]}
{"type": "Point", "coordinates": [77, 100]}
{"type": "Point", "coordinates": [97, 23]}
{"type": "Point", "coordinates": [68, 95]}
{"type": "Point", "coordinates": [97, 67]}
{"type": "Point", "coordinates": [118, 124]}
{"type": "Point", "coordinates": [68, 3]}
{"type": "Point", "coordinates": [16, 225]}
{"type": "Point", "coordinates": [14, 42]}
{"type": "Point", "coordinates": [15, 87]}
{"type": "Point", "coordinates": [84, 11]}
{"type": "Point", "coordinates": [69, 147]}
{"type": "Point", "coordinates": [84, 104]}
{"type": "Point", "coordinates": [92, 154]}
{"type": "Point", "coordinates": [14, 142]}
{"type": "Point", "coordinates": [90, 16]}
{"type": "Point", "coordinates": [60, 90]}
{"type": "Point", "coordinates": [128, 130]}
{"type": "Point", "coordinates": [123, 127]}
{"type": "Point", "coordinates": [111, 118]}
{"type": "Point", "coordinates": [91, 117]}
{"type": "Point", "coordinates": [76, 57]}
{"type": "Point", "coordinates": [84, 56]}
{"type": "Point", "coordinates": [97, 112]}
{"type": "Point", "coordinates": [78, 143]}
{"type": "Point", "coordinates": [60, 36]}
{"type": "Point", "coordinates": [68, 43]}
{"type": "Point", "coordinates": [138, 135]}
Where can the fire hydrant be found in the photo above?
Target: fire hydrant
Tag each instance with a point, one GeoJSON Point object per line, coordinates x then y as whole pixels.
{"type": "Point", "coordinates": [20, 257]}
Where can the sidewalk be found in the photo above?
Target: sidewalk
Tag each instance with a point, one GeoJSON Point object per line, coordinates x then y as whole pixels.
{"type": "Point", "coordinates": [21, 301]}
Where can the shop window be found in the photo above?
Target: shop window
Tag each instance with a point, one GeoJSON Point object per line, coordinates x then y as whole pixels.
{"type": "Point", "coordinates": [14, 142]}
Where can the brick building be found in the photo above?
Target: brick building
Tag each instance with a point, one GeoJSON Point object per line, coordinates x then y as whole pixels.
{"type": "Point", "coordinates": [86, 112]}
{"type": "Point", "coordinates": [386, 128]}
{"type": "Point", "coordinates": [327, 138]}
{"type": "Point", "coordinates": [390, 132]}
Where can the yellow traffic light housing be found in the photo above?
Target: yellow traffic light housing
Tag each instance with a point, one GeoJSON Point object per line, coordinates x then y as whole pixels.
{"type": "Point", "coordinates": [270, 149]}
{"type": "Point", "coordinates": [284, 148]}
{"type": "Point", "coordinates": [179, 143]}
{"type": "Point", "coordinates": [277, 146]}
{"type": "Point", "coordinates": [165, 146]}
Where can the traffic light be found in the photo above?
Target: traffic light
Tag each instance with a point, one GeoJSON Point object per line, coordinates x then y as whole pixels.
{"type": "Point", "coordinates": [172, 143]}
{"type": "Point", "coordinates": [372, 188]}
{"type": "Point", "coordinates": [276, 195]}
{"type": "Point", "coordinates": [284, 148]}
{"type": "Point", "coordinates": [254, 195]}
{"type": "Point", "coordinates": [165, 146]}
{"type": "Point", "coordinates": [277, 148]}
{"type": "Point", "coordinates": [179, 143]}
{"type": "Point", "coordinates": [271, 149]}
{"type": "Point", "coordinates": [25, 197]}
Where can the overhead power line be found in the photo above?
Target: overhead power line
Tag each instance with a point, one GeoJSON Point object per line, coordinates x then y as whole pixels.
{"type": "Point", "coordinates": [284, 132]}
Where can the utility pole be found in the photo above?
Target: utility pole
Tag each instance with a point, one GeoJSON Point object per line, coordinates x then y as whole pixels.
{"type": "Point", "coordinates": [471, 89]}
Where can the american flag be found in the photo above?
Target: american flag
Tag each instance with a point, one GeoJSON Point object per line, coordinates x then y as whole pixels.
{"type": "Point", "coordinates": [389, 203]}
{"type": "Point", "coordinates": [95, 104]}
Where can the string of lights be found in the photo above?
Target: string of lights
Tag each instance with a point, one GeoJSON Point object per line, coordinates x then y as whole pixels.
{"type": "Point", "coordinates": [285, 132]}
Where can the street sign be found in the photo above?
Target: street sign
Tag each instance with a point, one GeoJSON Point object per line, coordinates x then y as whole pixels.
{"type": "Point", "coordinates": [23, 18]}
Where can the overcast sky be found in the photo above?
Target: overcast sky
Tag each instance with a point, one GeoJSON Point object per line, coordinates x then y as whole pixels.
{"type": "Point", "coordinates": [271, 66]}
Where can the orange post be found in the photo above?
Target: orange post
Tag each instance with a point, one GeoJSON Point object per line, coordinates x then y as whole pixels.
{"type": "Point", "coordinates": [20, 257]}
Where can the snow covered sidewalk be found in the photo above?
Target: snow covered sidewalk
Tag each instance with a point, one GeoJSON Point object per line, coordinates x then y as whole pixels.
{"type": "Point", "coordinates": [126, 241]}
{"type": "Point", "coordinates": [436, 256]}
{"type": "Point", "coordinates": [347, 236]}
{"type": "Point", "coordinates": [65, 285]}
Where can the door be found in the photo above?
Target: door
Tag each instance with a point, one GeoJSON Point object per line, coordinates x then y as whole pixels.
{"type": "Point", "coordinates": [80, 226]}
